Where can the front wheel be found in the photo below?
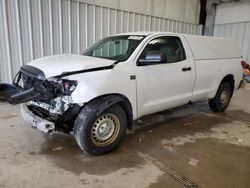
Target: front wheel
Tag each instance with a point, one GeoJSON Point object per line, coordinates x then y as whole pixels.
{"type": "Point", "coordinates": [222, 98]}
{"type": "Point", "coordinates": [97, 135]}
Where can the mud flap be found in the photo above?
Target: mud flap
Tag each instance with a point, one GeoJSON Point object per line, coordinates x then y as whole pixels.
{"type": "Point", "coordinates": [7, 90]}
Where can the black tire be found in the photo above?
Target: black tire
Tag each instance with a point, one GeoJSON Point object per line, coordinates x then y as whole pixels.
{"type": "Point", "coordinates": [218, 103]}
{"type": "Point", "coordinates": [85, 129]}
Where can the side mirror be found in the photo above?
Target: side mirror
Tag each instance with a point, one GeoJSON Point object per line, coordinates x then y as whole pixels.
{"type": "Point", "coordinates": [153, 57]}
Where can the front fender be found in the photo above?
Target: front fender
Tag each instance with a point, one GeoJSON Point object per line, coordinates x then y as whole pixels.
{"type": "Point", "coordinates": [95, 84]}
{"type": "Point", "coordinates": [100, 104]}
{"type": "Point", "coordinates": [83, 93]}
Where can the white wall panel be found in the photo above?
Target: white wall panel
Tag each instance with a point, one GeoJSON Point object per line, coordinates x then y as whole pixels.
{"type": "Point", "coordinates": [234, 12]}
{"type": "Point", "coordinates": [233, 21]}
{"type": "Point", "coordinates": [31, 29]}
{"type": "Point", "coordinates": [239, 32]}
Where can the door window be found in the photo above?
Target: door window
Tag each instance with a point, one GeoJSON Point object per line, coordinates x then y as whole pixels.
{"type": "Point", "coordinates": [169, 46]}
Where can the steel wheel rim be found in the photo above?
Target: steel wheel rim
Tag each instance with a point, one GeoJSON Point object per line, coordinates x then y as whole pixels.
{"type": "Point", "coordinates": [105, 129]}
{"type": "Point", "coordinates": [224, 97]}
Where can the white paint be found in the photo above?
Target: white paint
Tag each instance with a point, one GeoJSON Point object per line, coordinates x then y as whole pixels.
{"type": "Point", "coordinates": [157, 87]}
{"type": "Point", "coordinates": [153, 82]}
{"type": "Point", "coordinates": [213, 47]}
{"type": "Point", "coordinates": [58, 64]}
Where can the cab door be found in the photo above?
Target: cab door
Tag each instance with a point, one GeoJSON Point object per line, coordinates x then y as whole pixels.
{"type": "Point", "coordinates": [164, 85]}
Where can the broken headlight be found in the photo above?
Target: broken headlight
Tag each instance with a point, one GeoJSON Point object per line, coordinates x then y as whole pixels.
{"type": "Point", "coordinates": [68, 86]}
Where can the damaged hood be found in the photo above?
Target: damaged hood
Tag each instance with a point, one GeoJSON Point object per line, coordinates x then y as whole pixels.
{"type": "Point", "coordinates": [59, 64]}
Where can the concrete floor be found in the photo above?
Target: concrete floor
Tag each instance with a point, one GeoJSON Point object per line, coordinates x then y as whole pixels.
{"type": "Point", "coordinates": [189, 146]}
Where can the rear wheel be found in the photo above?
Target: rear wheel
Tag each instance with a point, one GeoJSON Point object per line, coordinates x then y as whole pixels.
{"type": "Point", "coordinates": [97, 135]}
{"type": "Point", "coordinates": [222, 98]}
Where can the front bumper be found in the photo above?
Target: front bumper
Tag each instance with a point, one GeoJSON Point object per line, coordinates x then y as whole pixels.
{"type": "Point", "coordinates": [37, 122]}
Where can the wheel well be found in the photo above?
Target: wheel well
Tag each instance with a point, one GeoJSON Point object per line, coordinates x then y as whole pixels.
{"type": "Point", "coordinates": [229, 79]}
{"type": "Point", "coordinates": [105, 101]}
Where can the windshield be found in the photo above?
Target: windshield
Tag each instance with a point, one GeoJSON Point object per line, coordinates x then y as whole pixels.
{"type": "Point", "coordinates": [117, 48]}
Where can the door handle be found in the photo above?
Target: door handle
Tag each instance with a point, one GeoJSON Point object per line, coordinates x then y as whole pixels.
{"type": "Point", "coordinates": [186, 69]}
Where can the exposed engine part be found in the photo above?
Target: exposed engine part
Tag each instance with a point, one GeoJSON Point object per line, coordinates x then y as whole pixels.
{"type": "Point", "coordinates": [58, 106]}
{"type": "Point", "coordinates": [40, 123]}
{"type": "Point", "coordinates": [49, 99]}
{"type": "Point", "coordinates": [24, 96]}
{"type": "Point", "coordinates": [34, 88]}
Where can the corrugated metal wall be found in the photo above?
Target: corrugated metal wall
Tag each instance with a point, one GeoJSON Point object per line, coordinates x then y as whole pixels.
{"type": "Point", "coordinates": [237, 31]}
{"type": "Point", "coordinates": [233, 21]}
{"type": "Point", "coordinates": [30, 29]}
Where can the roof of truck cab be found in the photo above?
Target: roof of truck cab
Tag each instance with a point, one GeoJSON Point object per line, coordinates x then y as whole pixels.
{"type": "Point", "coordinates": [146, 33]}
{"type": "Point", "coordinates": [203, 47]}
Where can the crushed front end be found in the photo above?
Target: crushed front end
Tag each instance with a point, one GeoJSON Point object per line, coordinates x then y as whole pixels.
{"type": "Point", "coordinates": [47, 102]}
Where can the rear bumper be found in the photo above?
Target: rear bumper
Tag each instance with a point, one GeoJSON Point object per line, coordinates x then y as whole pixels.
{"type": "Point", "coordinates": [35, 121]}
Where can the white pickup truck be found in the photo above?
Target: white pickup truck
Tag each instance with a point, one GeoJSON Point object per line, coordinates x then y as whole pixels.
{"type": "Point", "coordinates": [98, 94]}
